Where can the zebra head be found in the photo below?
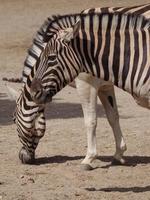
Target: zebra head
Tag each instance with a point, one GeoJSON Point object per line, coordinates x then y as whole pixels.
{"type": "Point", "coordinates": [58, 65]}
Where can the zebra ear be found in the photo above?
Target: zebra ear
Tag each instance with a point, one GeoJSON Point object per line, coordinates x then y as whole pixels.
{"type": "Point", "coordinates": [71, 32]}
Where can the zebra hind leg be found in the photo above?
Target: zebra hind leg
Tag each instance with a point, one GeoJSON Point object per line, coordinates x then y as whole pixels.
{"type": "Point", "coordinates": [107, 97]}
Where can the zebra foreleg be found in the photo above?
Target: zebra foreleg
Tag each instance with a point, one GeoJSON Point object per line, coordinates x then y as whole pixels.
{"type": "Point", "coordinates": [107, 97]}
{"type": "Point", "coordinates": [88, 99]}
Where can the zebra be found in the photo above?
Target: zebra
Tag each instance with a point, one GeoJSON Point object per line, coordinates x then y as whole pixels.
{"type": "Point", "coordinates": [68, 52]}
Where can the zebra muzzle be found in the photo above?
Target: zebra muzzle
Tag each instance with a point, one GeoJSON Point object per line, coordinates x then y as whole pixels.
{"type": "Point", "coordinates": [26, 157]}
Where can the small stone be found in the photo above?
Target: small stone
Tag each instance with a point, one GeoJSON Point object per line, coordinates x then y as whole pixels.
{"type": "Point", "coordinates": [31, 180]}
{"type": "Point", "coordinates": [22, 176]}
{"type": "Point", "coordinates": [77, 194]}
{"type": "Point", "coordinates": [23, 184]}
{"type": "Point", "coordinates": [92, 189]}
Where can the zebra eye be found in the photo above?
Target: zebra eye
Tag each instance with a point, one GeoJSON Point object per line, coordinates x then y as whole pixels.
{"type": "Point", "coordinates": [52, 57]}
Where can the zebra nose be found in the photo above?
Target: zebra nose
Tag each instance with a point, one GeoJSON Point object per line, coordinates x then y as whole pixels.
{"type": "Point", "coordinates": [26, 157]}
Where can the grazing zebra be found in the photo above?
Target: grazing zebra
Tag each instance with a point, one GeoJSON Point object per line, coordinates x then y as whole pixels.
{"type": "Point", "coordinates": [111, 46]}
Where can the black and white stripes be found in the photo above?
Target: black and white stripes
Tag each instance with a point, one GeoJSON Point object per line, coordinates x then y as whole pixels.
{"type": "Point", "coordinates": [112, 44]}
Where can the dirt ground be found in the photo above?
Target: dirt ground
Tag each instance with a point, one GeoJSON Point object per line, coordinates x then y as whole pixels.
{"type": "Point", "coordinates": [58, 174]}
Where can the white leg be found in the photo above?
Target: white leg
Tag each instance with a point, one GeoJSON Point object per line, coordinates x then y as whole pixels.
{"type": "Point", "coordinates": [88, 99]}
{"type": "Point", "coordinates": [107, 97]}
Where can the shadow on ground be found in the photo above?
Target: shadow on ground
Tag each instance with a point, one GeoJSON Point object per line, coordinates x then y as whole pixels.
{"type": "Point", "coordinates": [54, 110]}
{"type": "Point", "coordinates": [7, 108]}
{"type": "Point", "coordinates": [56, 159]}
{"type": "Point", "coordinates": [68, 110]}
{"type": "Point", "coordinates": [130, 160]}
{"type": "Point", "coordinates": [138, 189]}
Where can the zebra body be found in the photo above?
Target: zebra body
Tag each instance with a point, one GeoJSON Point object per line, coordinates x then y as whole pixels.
{"type": "Point", "coordinates": [116, 49]}
{"type": "Point", "coordinates": [111, 46]}
{"type": "Point", "coordinates": [38, 44]}
{"type": "Point", "coordinates": [125, 32]}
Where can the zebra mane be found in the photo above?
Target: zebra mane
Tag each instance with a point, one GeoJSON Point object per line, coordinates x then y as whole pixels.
{"type": "Point", "coordinates": [35, 50]}
{"type": "Point", "coordinates": [41, 32]}
{"type": "Point", "coordinates": [48, 34]}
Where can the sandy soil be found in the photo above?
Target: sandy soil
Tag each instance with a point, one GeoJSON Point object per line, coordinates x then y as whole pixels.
{"type": "Point", "coordinates": [58, 175]}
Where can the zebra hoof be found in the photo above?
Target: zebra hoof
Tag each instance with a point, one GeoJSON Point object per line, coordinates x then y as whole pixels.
{"type": "Point", "coordinates": [118, 162]}
{"type": "Point", "coordinates": [86, 167]}
{"type": "Point", "coordinates": [26, 157]}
